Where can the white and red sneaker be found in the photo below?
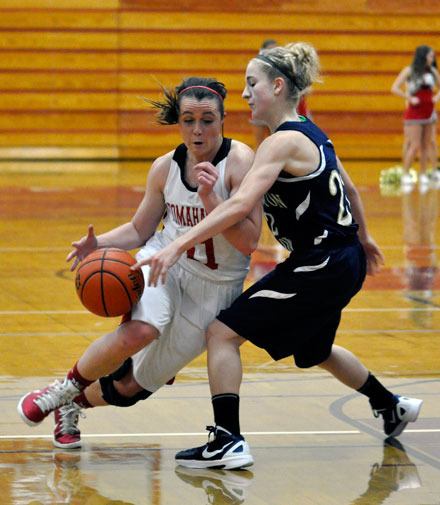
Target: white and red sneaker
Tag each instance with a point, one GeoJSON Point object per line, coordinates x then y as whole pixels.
{"type": "Point", "coordinates": [67, 434]}
{"type": "Point", "coordinates": [36, 405]}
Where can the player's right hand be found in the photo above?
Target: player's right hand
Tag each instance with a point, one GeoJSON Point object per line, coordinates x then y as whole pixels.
{"type": "Point", "coordinates": [83, 247]}
{"type": "Point", "coordinates": [207, 176]}
{"type": "Point", "coordinates": [160, 263]}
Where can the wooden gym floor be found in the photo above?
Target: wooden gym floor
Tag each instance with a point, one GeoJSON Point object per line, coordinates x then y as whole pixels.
{"type": "Point", "coordinates": [314, 441]}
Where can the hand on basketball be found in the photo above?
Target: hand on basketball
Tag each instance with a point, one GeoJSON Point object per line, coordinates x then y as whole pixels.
{"type": "Point", "coordinates": [207, 176]}
{"type": "Point", "coordinates": [374, 256]}
{"type": "Point", "coordinates": [83, 247]}
{"type": "Point", "coordinates": [159, 264]}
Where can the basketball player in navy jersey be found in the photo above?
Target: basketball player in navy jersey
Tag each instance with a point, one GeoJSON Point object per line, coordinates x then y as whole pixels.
{"type": "Point", "coordinates": [166, 328]}
{"type": "Point", "coordinates": [315, 212]}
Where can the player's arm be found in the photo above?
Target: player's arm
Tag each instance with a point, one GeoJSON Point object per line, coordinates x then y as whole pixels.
{"type": "Point", "coordinates": [136, 232]}
{"type": "Point", "coordinates": [374, 256]}
{"type": "Point", "coordinates": [147, 216]}
{"type": "Point", "coordinates": [245, 234]}
{"type": "Point", "coordinates": [269, 161]}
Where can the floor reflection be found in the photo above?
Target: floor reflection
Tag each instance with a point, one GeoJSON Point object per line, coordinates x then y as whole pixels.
{"type": "Point", "coordinates": [353, 472]}
{"type": "Point", "coordinates": [396, 472]}
{"type": "Point", "coordinates": [221, 487]}
{"type": "Point", "coordinates": [113, 476]}
{"type": "Point", "coordinates": [419, 215]}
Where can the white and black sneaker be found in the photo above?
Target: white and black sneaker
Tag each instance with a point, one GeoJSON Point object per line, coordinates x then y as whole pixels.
{"type": "Point", "coordinates": [221, 486]}
{"type": "Point", "coordinates": [226, 451]}
{"type": "Point", "coordinates": [406, 410]}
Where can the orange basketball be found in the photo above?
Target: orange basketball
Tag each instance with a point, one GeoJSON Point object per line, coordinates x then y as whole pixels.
{"type": "Point", "coordinates": [105, 284]}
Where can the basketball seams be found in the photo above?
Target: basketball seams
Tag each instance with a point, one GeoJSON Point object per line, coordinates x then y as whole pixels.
{"type": "Point", "coordinates": [102, 282]}
{"type": "Point", "coordinates": [104, 305]}
{"type": "Point", "coordinates": [124, 287]}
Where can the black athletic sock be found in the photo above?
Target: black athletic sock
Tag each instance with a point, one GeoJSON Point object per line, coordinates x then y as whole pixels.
{"type": "Point", "coordinates": [380, 397]}
{"type": "Point", "coordinates": [226, 407]}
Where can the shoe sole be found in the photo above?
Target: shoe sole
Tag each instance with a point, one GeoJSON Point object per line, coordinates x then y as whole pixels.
{"type": "Point", "coordinates": [23, 415]}
{"type": "Point", "coordinates": [410, 417]}
{"type": "Point", "coordinates": [233, 463]}
{"type": "Point", "coordinates": [72, 445]}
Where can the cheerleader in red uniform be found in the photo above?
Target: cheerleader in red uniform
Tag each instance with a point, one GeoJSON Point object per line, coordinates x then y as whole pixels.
{"type": "Point", "coordinates": [416, 83]}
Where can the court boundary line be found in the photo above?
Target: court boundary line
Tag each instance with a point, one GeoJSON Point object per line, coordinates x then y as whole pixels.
{"type": "Point", "coordinates": [197, 434]}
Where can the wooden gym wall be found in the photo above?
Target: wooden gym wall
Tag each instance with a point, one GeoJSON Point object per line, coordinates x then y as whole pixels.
{"type": "Point", "coordinates": [73, 73]}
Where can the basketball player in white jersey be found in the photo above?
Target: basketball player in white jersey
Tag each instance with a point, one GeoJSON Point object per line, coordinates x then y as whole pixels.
{"type": "Point", "coordinates": [165, 330]}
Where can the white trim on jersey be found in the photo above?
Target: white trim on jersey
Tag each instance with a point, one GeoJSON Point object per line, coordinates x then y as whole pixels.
{"type": "Point", "coordinates": [314, 174]}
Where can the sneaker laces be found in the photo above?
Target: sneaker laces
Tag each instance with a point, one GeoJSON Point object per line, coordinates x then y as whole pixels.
{"type": "Point", "coordinates": [212, 430]}
{"type": "Point", "coordinates": [55, 395]}
{"type": "Point", "coordinates": [69, 416]}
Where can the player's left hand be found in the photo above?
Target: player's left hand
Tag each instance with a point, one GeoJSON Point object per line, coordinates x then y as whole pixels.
{"type": "Point", "coordinates": [375, 258]}
{"type": "Point", "coordinates": [159, 264]}
{"type": "Point", "coordinates": [207, 176]}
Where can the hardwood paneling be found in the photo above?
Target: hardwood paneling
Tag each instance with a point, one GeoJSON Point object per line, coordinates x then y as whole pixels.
{"type": "Point", "coordinates": [277, 22]}
{"type": "Point", "coordinates": [74, 72]}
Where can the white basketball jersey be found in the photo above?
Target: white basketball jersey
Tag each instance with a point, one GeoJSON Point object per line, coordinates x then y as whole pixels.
{"type": "Point", "coordinates": [215, 259]}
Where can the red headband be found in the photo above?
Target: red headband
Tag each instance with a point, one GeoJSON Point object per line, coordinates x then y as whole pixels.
{"type": "Point", "coordinates": [202, 87]}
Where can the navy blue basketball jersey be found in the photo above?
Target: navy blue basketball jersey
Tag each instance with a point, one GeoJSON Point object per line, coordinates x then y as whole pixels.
{"type": "Point", "coordinates": [312, 211]}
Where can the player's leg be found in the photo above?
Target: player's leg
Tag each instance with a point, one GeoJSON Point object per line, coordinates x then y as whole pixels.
{"type": "Point", "coordinates": [153, 366]}
{"type": "Point", "coordinates": [101, 358]}
{"type": "Point", "coordinates": [224, 361]}
{"type": "Point", "coordinates": [108, 352]}
{"type": "Point", "coordinates": [346, 367]}
{"type": "Point", "coordinates": [149, 317]}
{"type": "Point", "coordinates": [257, 314]}
{"type": "Point", "coordinates": [227, 449]}
{"type": "Point", "coordinates": [397, 411]}
{"type": "Point", "coordinates": [118, 389]}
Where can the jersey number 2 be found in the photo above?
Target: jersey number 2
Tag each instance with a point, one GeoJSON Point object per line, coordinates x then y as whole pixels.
{"type": "Point", "coordinates": [210, 257]}
{"type": "Point", "coordinates": [335, 183]}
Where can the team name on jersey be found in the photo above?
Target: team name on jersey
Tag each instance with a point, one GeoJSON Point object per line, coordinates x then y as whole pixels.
{"type": "Point", "coordinates": [185, 215]}
{"type": "Point", "coordinates": [273, 200]}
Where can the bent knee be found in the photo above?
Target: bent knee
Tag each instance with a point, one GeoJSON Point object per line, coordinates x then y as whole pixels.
{"type": "Point", "coordinates": [135, 335]}
{"type": "Point", "coordinates": [127, 386]}
{"type": "Point", "coordinates": [122, 395]}
{"type": "Point", "coordinates": [218, 331]}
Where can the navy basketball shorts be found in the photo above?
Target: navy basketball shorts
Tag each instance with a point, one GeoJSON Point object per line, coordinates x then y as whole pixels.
{"type": "Point", "coordinates": [295, 310]}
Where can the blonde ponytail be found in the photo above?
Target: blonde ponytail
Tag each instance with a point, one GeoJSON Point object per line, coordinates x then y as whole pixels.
{"type": "Point", "coordinates": [297, 63]}
{"type": "Point", "coordinates": [304, 61]}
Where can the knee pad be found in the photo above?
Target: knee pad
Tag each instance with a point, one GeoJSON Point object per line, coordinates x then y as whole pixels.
{"type": "Point", "coordinates": [122, 370]}
{"type": "Point", "coordinates": [112, 396]}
